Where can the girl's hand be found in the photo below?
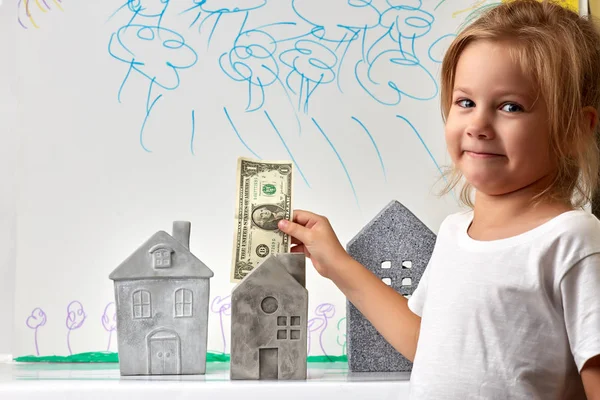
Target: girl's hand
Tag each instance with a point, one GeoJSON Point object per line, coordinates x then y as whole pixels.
{"type": "Point", "coordinates": [313, 235]}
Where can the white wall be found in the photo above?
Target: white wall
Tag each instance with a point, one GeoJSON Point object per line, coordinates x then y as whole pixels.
{"type": "Point", "coordinates": [8, 147]}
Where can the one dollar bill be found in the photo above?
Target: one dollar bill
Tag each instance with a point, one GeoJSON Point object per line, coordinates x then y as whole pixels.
{"type": "Point", "coordinates": [264, 197]}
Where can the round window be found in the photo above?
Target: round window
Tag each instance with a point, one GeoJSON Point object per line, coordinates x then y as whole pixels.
{"type": "Point", "coordinates": [269, 305]}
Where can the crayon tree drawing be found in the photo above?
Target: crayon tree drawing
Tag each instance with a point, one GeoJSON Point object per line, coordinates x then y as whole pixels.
{"type": "Point", "coordinates": [75, 319]}
{"type": "Point", "coordinates": [36, 320]}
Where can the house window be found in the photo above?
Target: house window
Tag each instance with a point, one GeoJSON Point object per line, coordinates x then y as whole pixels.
{"type": "Point", "coordinates": [269, 305]}
{"type": "Point", "coordinates": [183, 303]}
{"type": "Point", "coordinates": [161, 258]}
{"type": "Point", "coordinates": [142, 306]}
{"type": "Point", "coordinates": [282, 328]}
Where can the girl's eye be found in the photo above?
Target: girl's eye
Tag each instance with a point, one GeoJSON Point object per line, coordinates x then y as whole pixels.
{"type": "Point", "coordinates": [465, 103]}
{"type": "Point", "coordinates": [511, 107]}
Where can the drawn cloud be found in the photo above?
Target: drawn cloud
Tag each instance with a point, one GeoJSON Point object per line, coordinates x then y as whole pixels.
{"type": "Point", "coordinates": [406, 22]}
{"type": "Point", "coordinates": [391, 75]}
{"type": "Point", "coordinates": [230, 6]}
{"type": "Point", "coordinates": [157, 53]}
{"type": "Point", "coordinates": [312, 60]}
{"type": "Point", "coordinates": [349, 14]}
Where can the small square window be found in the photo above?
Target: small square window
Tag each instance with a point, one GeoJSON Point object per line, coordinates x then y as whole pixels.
{"type": "Point", "coordinates": [386, 264]}
{"type": "Point", "coordinates": [407, 264]}
{"type": "Point", "coordinates": [295, 321]}
{"type": "Point", "coordinates": [294, 334]}
{"type": "Point", "coordinates": [281, 334]}
{"type": "Point", "coordinates": [387, 281]}
{"type": "Point", "coordinates": [281, 321]}
{"type": "Point", "coordinates": [406, 281]}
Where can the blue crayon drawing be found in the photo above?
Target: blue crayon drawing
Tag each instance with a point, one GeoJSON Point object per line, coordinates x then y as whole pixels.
{"type": "Point", "coordinates": [282, 57]}
{"type": "Point", "coordinates": [439, 46]}
{"type": "Point", "coordinates": [152, 51]}
{"type": "Point", "coordinates": [374, 145]}
{"type": "Point", "coordinates": [238, 134]}
{"type": "Point", "coordinates": [251, 61]}
{"type": "Point", "coordinates": [205, 11]}
{"type": "Point", "coordinates": [390, 68]}
{"type": "Point", "coordinates": [193, 132]}
{"type": "Point", "coordinates": [286, 148]}
{"type": "Point", "coordinates": [339, 159]}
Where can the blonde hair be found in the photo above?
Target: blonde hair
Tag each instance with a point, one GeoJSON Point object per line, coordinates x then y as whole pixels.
{"type": "Point", "coordinates": [562, 51]}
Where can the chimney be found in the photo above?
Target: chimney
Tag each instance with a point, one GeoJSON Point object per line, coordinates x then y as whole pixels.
{"type": "Point", "coordinates": [181, 232]}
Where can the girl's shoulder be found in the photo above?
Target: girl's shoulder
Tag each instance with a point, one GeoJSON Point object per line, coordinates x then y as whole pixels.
{"type": "Point", "coordinates": [577, 223]}
{"type": "Point", "coordinates": [576, 229]}
{"type": "Point", "coordinates": [457, 220]}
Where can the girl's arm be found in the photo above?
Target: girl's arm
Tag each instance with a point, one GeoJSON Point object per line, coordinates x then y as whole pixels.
{"type": "Point", "coordinates": [385, 308]}
{"type": "Point", "coordinates": [590, 375]}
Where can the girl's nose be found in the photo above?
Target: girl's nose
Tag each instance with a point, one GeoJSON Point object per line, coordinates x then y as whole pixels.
{"type": "Point", "coordinates": [480, 126]}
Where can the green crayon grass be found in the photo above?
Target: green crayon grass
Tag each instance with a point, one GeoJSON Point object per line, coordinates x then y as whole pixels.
{"type": "Point", "coordinates": [109, 357]}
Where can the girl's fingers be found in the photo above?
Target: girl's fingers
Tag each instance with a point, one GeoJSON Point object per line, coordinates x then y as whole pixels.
{"type": "Point", "coordinates": [294, 229]}
{"type": "Point", "coordinates": [304, 217]}
{"type": "Point", "coordinates": [297, 249]}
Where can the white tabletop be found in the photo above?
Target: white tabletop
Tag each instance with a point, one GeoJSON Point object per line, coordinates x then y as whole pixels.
{"type": "Point", "coordinates": [102, 381]}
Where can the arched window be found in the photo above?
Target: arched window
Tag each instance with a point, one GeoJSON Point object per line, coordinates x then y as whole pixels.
{"type": "Point", "coordinates": [142, 304]}
{"type": "Point", "coordinates": [161, 256]}
{"type": "Point", "coordinates": [183, 303]}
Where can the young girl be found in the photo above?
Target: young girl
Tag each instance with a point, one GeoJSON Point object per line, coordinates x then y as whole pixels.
{"type": "Point", "coordinates": [520, 98]}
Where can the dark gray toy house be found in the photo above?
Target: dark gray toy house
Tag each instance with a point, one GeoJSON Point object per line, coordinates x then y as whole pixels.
{"type": "Point", "coordinates": [396, 246]}
{"type": "Point", "coordinates": [162, 294]}
{"type": "Point", "coordinates": [269, 310]}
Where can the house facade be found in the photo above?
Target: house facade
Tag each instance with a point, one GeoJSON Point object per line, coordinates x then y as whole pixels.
{"type": "Point", "coordinates": [396, 246]}
{"type": "Point", "coordinates": [269, 310]}
{"type": "Point", "coordinates": [162, 294]}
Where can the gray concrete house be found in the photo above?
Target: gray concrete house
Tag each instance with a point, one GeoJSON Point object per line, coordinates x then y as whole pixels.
{"type": "Point", "coordinates": [396, 246]}
{"type": "Point", "coordinates": [162, 296]}
{"type": "Point", "coordinates": [269, 310]}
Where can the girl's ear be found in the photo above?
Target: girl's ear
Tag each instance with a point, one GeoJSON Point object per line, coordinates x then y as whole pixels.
{"type": "Point", "coordinates": [591, 114]}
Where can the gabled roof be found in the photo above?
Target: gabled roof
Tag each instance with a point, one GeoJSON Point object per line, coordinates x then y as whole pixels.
{"type": "Point", "coordinates": [285, 268]}
{"type": "Point", "coordinates": [139, 264]}
{"type": "Point", "coordinates": [395, 222]}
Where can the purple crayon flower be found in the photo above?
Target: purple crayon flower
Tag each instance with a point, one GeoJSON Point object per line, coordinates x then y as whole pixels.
{"type": "Point", "coordinates": [75, 318]}
{"type": "Point", "coordinates": [222, 306]}
{"type": "Point", "coordinates": [324, 312]}
{"type": "Point", "coordinates": [34, 321]}
{"type": "Point", "coordinates": [109, 321]}
{"type": "Point", "coordinates": [341, 336]}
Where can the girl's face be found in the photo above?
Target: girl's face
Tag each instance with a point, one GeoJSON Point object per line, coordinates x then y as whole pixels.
{"type": "Point", "coordinates": [497, 134]}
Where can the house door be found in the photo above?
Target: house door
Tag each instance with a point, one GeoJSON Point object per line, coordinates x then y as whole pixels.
{"type": "Point", "coordinates": [268, 363]}
{"type": "Point", "coordinates": [163, 350]}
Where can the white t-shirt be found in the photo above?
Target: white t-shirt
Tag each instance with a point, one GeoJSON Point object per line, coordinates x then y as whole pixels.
{"type": "Point", "coordinates": [515, 318]}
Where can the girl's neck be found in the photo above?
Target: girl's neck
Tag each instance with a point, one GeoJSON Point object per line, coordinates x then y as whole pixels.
{"type": "Point", "coordinates": [503, 216]}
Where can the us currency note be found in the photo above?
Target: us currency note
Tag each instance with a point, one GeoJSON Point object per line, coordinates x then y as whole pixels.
{"type": "Point", "coordinates": [264, 197]}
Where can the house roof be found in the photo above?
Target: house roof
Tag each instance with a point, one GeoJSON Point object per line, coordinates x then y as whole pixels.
{"type": "Point", "coordinates": [139, 264]}
{"type": "Point", "coordinates": [288, 268]}
{"type": "Point", "coordinates": [394, 245]}
{"type": "Point", "coordinates": [393, 219]}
